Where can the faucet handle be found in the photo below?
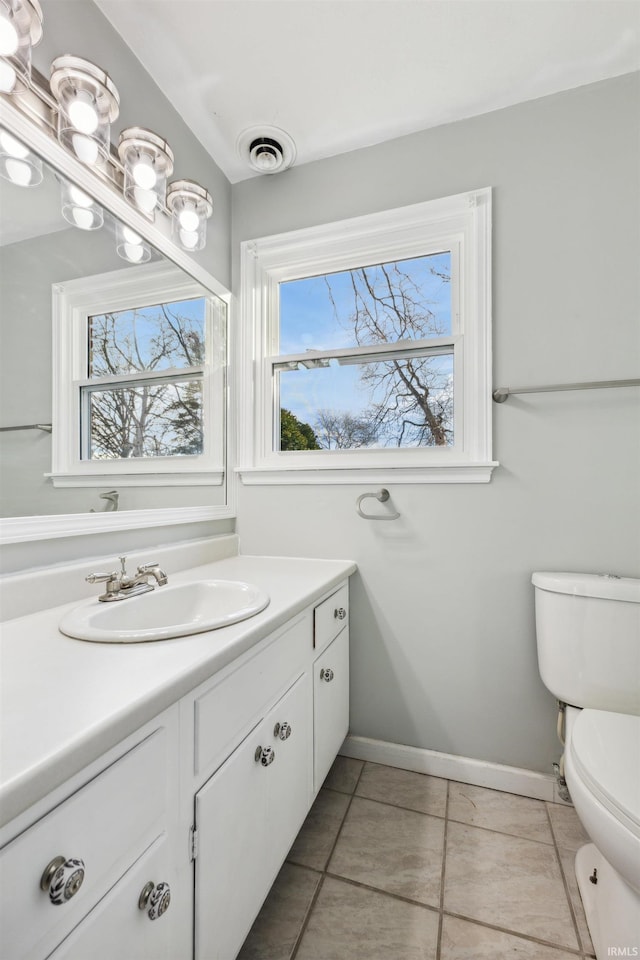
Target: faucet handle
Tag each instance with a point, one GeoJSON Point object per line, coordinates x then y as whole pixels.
{"type": "Point", "coordinates": [101, 577]}
{"type": "Point", "coordinates": [144, 567]}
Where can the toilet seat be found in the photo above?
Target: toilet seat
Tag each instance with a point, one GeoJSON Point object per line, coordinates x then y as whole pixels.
{"type": "Point", "coordinates": [605, 750]}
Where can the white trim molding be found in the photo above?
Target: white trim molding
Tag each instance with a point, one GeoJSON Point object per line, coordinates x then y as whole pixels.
{"type": "Point", "coordinates": [460, 224]}
{"type": "Point", "coordinates": [480, 773]}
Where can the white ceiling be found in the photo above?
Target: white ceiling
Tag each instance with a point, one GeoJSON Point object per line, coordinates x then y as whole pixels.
{"type": "Point", "coordinates": [341, 74]}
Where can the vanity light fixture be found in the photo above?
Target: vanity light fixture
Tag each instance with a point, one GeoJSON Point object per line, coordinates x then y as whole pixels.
{"type": "Point", "coordinates": [78, 208]}
{"type": "Point", "coordinates": [88, 103]}
{"type": "Point", "coordinates": [190, 206]}
{"type": "Point", "coordinates": [148, 161]}
{"type": "Point", "coordinates": [130, 245]}
{"type": "Point", "coordinates": [20, 30]}
{"type": "Point", "coordinates": [17, 163]}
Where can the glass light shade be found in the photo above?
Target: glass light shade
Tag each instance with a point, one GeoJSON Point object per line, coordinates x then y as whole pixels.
{"type": "Point", "coordinates": [20, 30]}
{"type": "Point", "coordinates": [17, 163]}
{"type": "Point", "coordinates": [79, 209]}
{"type": "Point", "coordinates": [148, 161]}
{"type": "Point", "coordinates": [88, 103]}
{"type": "Point", "coordinates": [190, 206]}
{"type": "Point", "coordinates": [130, 245]}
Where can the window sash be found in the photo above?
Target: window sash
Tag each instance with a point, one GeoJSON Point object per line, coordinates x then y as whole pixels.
{"type": "Point", "coordinates": [112, 384]}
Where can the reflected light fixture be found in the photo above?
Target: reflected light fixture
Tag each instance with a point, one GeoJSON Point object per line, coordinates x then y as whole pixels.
{"type": "Point", "coordinates": [88, 103]}
{"type": "Point", "coordinates": [17, 163]}
{"type": "Point", "coordinates": [190, 206]}
{"type": "Point", "coordinates": [130, 245]}
{"type": "Point", "coordinates": [20, 30]}
{"type": "Point", "coordinates": [148, 161]}
{"type": "Point", "coordinates": [79, 209]}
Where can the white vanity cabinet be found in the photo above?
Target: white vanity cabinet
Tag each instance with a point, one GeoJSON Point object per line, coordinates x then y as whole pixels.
{"type": "Point", "coordinates": [172, 839]}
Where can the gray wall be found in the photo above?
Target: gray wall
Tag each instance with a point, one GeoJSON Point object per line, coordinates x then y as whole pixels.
{"type": "Point", "coordinates": [443, 649]}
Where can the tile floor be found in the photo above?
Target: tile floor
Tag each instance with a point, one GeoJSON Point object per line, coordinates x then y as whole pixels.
{"type": "Point", "coordinates": [393, 865]}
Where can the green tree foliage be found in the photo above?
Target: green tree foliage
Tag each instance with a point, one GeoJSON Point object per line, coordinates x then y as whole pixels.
{"type": "Point", "coordinates": [296, 435]}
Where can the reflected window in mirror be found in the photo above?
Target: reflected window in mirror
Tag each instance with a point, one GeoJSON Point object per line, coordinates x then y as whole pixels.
{"type": "Point", "coordinates": [138, 379]}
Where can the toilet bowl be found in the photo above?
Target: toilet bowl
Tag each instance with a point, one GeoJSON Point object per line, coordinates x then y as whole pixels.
{"type": "Point", "coordinates": [588, 633]}
{"type": "Point", "coordinates": [602, 768]}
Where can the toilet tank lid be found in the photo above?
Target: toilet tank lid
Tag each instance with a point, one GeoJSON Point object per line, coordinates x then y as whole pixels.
{"type": "Point", "coordinates": [602, 585]}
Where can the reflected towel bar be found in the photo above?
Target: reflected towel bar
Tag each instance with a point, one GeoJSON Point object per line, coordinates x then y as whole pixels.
{"type": "Point", "coordinates": [382, 495]}
{"type": "Point", "coordinates": [29, 426]}
{"type": "Point", "coordinates": [501, 393]}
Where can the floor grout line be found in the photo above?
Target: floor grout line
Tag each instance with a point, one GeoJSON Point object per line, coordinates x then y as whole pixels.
{"type": "Point", "coordinates": [567, 892]}
{"type": "Point", "coordinates": [442, 875]}
{"type": "Point", "coordinates": [323, 872]}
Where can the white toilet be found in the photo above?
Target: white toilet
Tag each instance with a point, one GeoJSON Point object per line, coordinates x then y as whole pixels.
{"type": "Point", "coordinates": [588, 630]}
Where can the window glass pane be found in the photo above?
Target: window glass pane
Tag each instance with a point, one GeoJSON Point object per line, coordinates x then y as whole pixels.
{"type": "Point", "coordinates": [392, 402]}
{"type": "Point", "coordinates": [159, 337]}
{"type": "Point", "coordinates": [401, 300]}
{"type": "Point", "coordinates": [146, 420]}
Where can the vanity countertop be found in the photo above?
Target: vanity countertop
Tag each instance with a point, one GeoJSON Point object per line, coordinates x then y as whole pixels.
{"type": "Point", "coordinates": [64, 702]}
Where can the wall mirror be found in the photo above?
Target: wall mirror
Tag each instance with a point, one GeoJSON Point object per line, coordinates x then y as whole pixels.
{"type": "Point", "coordinates": [113, 358]}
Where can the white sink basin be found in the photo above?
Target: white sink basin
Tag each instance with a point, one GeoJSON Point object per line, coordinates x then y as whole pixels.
{"type": "Point", "coordinates": [174, 611]}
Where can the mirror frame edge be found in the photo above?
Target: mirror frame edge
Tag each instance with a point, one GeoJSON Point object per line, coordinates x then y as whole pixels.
{"type": "Point", "coordinates": [26, 529]}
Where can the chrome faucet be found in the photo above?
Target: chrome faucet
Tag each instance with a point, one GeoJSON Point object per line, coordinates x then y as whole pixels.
{"type": "Point", "coordinates": [120, 586]}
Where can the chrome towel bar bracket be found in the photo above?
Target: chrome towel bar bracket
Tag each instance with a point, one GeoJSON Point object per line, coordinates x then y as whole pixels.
{"type": "Point", "coordinates": [382, 495]}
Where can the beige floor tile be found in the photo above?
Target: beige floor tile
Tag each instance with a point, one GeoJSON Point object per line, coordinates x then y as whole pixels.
{"type": "Point", "coordinates": [462, 940]}
{"type": "Point", "coordinates": [568, 831]}
{"type": "Point", "coordinates": [277, 926]}
{"type": "Point", "coordinates": [495, 810]}
{"type": "Point", "coordinates": [391, 849]}
{"type": "Point", "coordinates": [344, 774]}
{"type": "Point", "coordinates": [404, 788]}
{"type": "Point", "coordinates": [507, 881]}
{"type": "Point", "coordinates": [313, 845]}
{"type": "Point", "coordinates": [351, 923]}
{"type": "Point", "coordinates": [567, 861]}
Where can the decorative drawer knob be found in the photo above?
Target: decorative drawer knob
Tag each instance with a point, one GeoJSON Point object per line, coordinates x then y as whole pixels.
{"type": "Point", "coordinates": [62, 879]}
{"type": "Point", "coordinates": [264, 755]}
{"type": "Point", "coordinates": [282, 731]}
{"type": "Point", "coordinates": [340, 613]}
{"type": "Point", "coordinates": [155, 897]}
{"type": "Point", "coordinates": [327, 674]}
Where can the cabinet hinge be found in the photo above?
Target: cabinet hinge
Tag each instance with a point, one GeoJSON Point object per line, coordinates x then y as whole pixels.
{"type": "Point", "coordinates": [193, 842]}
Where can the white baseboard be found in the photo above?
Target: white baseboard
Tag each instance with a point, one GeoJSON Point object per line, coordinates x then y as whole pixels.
{"type": "Point", "coordinates": [480, 773]}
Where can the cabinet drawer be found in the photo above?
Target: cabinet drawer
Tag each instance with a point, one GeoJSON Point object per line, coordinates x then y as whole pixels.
{"type": "Point", "coordinates": [107, 824]}
{"type": "Point", "coordinates": [330, 617]}
{"type": "Point", "coordinates": [117, 927]}
{"type": "Point", "coordinates": [227, 711]}
{"type": "Point", "coordinates": [330, 705]}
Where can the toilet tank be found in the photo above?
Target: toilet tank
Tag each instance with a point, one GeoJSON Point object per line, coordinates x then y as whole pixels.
{"type": "Point", "coordinates": [588, 631]}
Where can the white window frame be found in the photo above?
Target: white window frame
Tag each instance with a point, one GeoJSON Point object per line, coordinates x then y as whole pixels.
{"type": "Point", "coordinates": [73, 303]}
{"type": "Point", "coordinates": [461, 224]}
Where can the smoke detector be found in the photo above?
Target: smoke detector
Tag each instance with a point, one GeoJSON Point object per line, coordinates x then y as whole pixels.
{"type": "Point", "coordinates": [266, 149]}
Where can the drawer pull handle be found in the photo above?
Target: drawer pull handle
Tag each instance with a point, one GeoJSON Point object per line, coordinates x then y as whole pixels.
{"type": "Point", "coordinates": [327, 674]}
{"type": "Point", "coordinates": [282, 731]}
{"type": "Point", "coordinates": [264, 755]}
{"type": "Point", "coordinates": [340, 613]}
{"type": "Point", "coordinates": [156, 897]}
{"type": "Point", "coordinates": [62, 879]}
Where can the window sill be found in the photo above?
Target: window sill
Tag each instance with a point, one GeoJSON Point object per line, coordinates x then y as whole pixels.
{"type": "Point", "coordinates": [436, 473]}
{"type": "Point", "coordinates": [207, 478]}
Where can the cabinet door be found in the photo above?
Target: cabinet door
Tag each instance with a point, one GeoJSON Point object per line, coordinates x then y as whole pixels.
{"type": "Point", "coordinates": [330, 704]}
{"type": "Point", "coordinates": [230, 869]}
{"type": "Point", "coordinates": [117, 927]}
{"type": "Point", "coordinates": [247, 816]}
{"type": "Point", "coordinates": [289, 785]}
